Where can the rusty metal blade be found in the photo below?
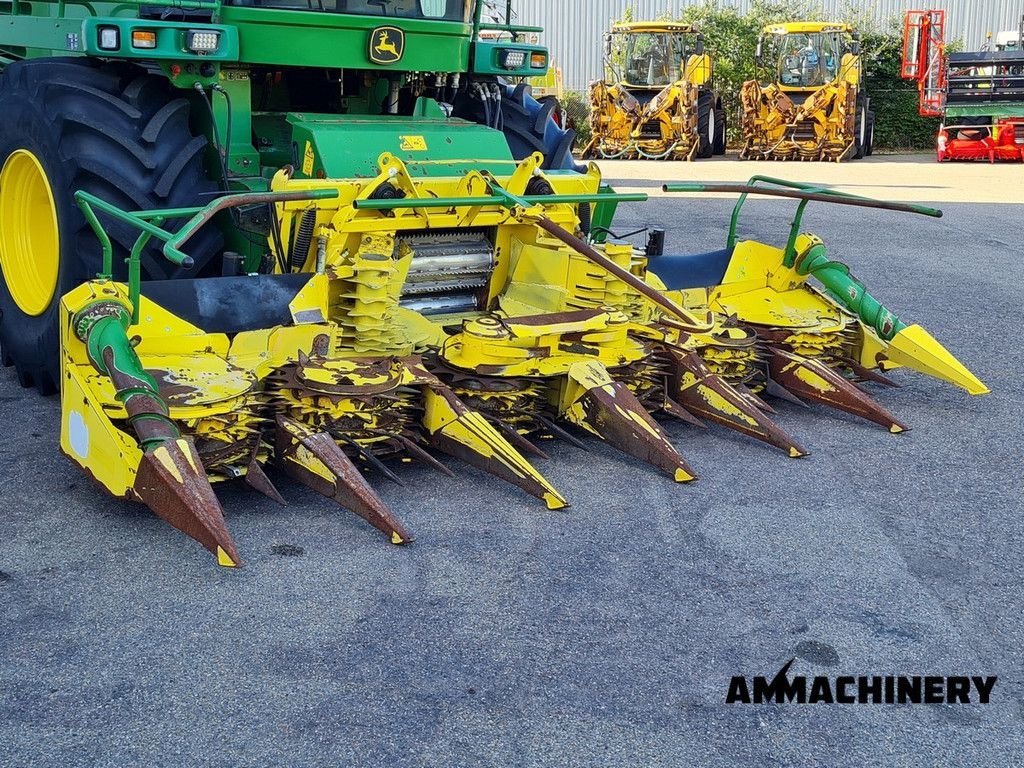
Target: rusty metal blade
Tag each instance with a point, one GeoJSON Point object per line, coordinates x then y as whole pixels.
{"type": "Point", "coordinates": [418, 453]}
{"type": "Point", "coordinates": [171, 481]}
{"type": "Point", "coordinates": [558, 432]}
{"type": "Point", "coordinates": [613, 413]}
{"type": "Point", "coordinates": [316, 461]}
{"type": "Point", "coordinates": [754, 398]}
{"type": "Point", "coordinates": [520, 443]}
{"type": "Point", "coordinates": [256, 478]}
{"type": "Point", "coordinates": [862, 372]}
{"type": "Point", "coordinates": [813, 380]}
{"type": "Point", "coordinates": [775, 389]}
{"type": "Point", "coordinates": [372, 460]}
{"type": "Point", "coordinates": [709, 396]}
{"type": "Point", "coordinates": [672, 408]}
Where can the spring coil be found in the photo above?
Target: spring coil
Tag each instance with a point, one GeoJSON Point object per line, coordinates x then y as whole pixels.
{"type": "Point", "coordinates": [303, 240]}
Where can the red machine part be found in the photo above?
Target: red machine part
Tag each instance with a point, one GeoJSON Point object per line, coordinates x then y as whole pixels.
{"type": "Point", "coordinates": [924, 58]}
{"type": "Point", "coordinates": [1004, 140]}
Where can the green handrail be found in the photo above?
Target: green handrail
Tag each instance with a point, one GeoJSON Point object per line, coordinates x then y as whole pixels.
{"type": "Point", "coordinates": [151, 225]}
{"type": "Point", "coordinates": [806, 193]}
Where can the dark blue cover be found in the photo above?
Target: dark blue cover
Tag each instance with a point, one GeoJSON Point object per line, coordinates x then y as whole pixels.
{"type": "Point", "coordinates": [698, 270]}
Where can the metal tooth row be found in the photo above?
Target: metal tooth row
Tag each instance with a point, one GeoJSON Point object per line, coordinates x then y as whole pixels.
{"type": "Point", "coordinates": [229, 443]}
{"type": "Point", "coordinates": [456, 264]}
{"type": "Point", "coordinates": [368, 420]}
{"type": "Point", "coordinates": [591, 287]}
{"type": "Point", "coordinates": [513, 402]}
{"type": "Point", "coordinates": [797, 367]}
{"type": "Point", "coordinates": [820, 368]}
{"type": "Point", "coordinates": [363, 306]}
{"type": "Point", "coordinates": [323, 416]}
{"type": "Point", "coordinates": [647, 380]}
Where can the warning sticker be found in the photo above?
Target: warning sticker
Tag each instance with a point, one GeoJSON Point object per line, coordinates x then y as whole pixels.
{"type": "Point", "coordinates": [307, 160]}
{"type": "Point", "coordinates": [413, 143]}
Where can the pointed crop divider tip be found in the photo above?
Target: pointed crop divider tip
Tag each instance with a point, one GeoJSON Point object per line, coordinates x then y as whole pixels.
{"type": "Point", "coordinates": [813, 380]}
{"type": "Point", "coordinates": [315, 460]}
{"type": "Point", "coordinates": [711, 397]}
{"type": "Point", "coordinates": [171, 481]}
{"type": "Point", "coordinates": [610, 410]}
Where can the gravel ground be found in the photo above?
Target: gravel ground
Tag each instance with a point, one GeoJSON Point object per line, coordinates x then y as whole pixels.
{"type": "Point", "coordinates": [602, 636]}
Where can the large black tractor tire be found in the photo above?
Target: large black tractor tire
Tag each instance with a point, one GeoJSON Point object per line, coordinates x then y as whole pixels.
{"type": "Point", "coordinates": [115, 131]}
{"type": "Point", "coordinates": [721, 128]}
{"type": "Point", "coordinates": [706, 125]}
{"type": "Point", "coordinates": [860, 129]}
{"type": "Point", "coordinates": [529, 126]}
{"type": "Point", "coordinates": [870, 148]}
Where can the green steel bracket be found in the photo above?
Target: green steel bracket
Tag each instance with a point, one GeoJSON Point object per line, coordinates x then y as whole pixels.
{"type": "Point", "coordinates": [150, 223]}
{"type": "Point", "coordinates": [805, 193]}
{"type": "Point", "coordinates": [603, 214]}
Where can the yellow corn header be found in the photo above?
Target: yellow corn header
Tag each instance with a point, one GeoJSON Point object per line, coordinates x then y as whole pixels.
{"type": "Point", "coordinates": [460, 316]}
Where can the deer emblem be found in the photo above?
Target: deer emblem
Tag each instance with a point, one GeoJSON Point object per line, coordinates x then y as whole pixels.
{"type": "Point", "coordinates": [384, 49]}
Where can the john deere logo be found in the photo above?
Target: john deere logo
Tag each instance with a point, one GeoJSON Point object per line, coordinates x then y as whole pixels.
{"type": "Point", "coordinates": [387, 44]}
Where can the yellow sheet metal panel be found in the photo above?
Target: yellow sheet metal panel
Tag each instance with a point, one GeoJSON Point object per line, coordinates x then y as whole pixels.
{"type": "Point", "coordinates": [90, 439]}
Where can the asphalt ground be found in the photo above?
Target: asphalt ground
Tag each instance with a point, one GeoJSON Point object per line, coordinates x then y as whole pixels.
{"type": "Point", "coordinates": [605, 635]}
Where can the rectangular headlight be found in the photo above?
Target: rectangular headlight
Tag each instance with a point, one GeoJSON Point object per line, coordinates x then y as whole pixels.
{"type": "Point", "coordinates": [511, 59]}
{"type": "Point", "coordinates": [538, 60]}
{"type": "Point", "coordinates": [202, 40]}
{"type": "Point", "coordinates": [109, 38]}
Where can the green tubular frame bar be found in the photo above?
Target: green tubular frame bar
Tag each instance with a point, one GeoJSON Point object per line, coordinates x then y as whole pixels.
{"type": "Point", "coordinates": [150, 222]}
{"type": "Point", "coordinates": [805, 193]}
{"type": "Point", "coordinates": [843, 287]}
{"type": "Point", "coordinates": [501, 197]}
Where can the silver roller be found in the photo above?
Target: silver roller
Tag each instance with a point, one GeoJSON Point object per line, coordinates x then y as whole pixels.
{"type": "Point", "coordinates": [449, 272]}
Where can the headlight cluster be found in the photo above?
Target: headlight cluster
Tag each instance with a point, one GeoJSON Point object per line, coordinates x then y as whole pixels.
{"type": "Point", "coordinates": [512, 58]}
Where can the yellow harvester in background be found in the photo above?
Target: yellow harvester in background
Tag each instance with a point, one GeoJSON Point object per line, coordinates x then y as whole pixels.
{"type": "Point", "coordinates": [657, 100]}
{"type": "Point", "coordinates": [808, 100]}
